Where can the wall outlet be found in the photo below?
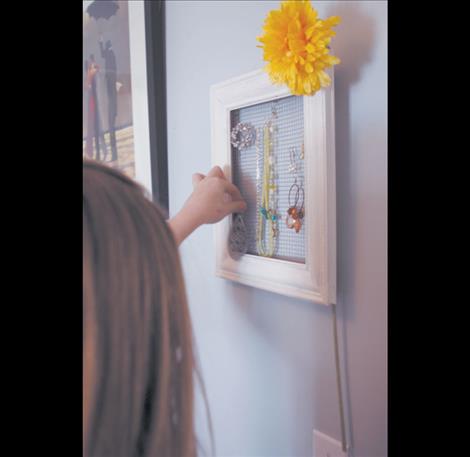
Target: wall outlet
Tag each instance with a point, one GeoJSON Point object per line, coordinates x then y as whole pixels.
{"type": "Point", "coordinates": [325, 446]}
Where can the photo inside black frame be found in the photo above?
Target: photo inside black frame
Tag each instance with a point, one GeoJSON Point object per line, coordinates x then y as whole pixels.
{"type": "Point", "coordinates": [108, 133]}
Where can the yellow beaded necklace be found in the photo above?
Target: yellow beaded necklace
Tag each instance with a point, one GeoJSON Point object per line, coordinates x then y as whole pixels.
{"type": "Point", "coordinates": [267, 210]}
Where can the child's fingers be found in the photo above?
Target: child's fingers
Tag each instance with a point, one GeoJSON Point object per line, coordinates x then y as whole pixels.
{"type": "Point", "coordinates": [197, 178]}
{"type": "Point", "coordinates": [233, 191]}
{"type": "Point", "coordinates": [236, 207]}
{"type": "Point", "coordinates": [216, 172]}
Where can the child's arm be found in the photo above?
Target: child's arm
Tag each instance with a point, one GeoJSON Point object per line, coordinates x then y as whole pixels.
{"type": "Point", "coordinates": [213, 198]}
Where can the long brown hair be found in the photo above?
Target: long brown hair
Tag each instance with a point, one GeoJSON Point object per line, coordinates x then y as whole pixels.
{"type": "Point", "coordinates": [137, 337]}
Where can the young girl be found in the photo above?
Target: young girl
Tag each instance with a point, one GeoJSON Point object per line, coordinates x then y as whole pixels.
{"type": "Point", "coordinates": [138, 360]}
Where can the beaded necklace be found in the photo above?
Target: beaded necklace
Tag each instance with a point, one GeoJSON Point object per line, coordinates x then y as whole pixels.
{"type": "Point", "coordinates": [267, 213]}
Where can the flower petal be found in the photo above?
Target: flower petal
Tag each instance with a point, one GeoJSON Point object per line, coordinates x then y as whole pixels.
{"type": "Point", "coordinates": [325, 80]}
{"type": "Point", "coordinates": [310, 48]}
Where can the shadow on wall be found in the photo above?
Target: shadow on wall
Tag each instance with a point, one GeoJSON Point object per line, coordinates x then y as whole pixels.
{"type": "Point", "coordinates": [353, 44]}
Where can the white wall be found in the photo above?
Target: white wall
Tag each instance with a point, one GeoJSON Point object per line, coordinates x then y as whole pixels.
{"type": "Point", "coordinates": [267, 360]}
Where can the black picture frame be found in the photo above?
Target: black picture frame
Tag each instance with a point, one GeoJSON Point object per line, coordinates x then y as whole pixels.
{"type": "Point", "coordinates": [156, 80]}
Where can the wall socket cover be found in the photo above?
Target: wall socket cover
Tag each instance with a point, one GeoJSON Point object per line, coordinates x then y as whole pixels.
{"type": "Point", "coordinates": [325, 446]}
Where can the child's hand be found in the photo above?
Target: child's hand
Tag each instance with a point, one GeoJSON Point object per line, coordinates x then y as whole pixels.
{"type": "Point", "coordinates": [213, 198]}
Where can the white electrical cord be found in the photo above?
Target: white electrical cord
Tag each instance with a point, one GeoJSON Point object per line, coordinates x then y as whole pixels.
{"type": "Point", "coordinates": [344, 444]}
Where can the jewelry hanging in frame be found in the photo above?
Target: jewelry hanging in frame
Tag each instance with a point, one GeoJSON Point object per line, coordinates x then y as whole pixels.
{"type": "Point", "coordinates": [243, 136]}
{"type": "Point", "coordinates": [296, 196]}
{"type": "Point", "coordinates": [237, 239]}
{"type": "Point", "coordinates": [267, 213]}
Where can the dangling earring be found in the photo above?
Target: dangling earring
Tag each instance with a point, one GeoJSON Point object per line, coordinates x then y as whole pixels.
{"type": "Point", "coordinates": [296, 212]}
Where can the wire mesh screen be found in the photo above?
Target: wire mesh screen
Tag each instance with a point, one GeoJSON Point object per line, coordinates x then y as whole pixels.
{"type": "Point", "coordinates": [247, 172]}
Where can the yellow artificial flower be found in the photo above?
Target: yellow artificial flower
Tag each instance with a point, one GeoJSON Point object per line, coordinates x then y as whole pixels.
{"type": "Point", "coordinates": [295, 45]}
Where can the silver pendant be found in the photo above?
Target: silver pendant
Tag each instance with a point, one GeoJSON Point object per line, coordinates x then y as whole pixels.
{"type": "Point", "coordinates": [237, 239]}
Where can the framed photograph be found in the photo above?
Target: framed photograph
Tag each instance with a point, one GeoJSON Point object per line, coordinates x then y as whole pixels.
{"type": "Point", "coordinates": [124, 120]}
{"type": "Point", "coordinates": [279, 151]}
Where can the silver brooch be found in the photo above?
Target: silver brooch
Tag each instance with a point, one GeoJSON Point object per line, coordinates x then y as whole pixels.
{"type": "Point", "coordinates": [243, 135]}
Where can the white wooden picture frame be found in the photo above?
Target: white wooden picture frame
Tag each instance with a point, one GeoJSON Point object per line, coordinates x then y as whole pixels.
{"type": "Point", "coordinates": [314, 280]}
